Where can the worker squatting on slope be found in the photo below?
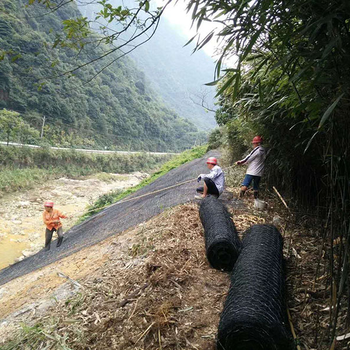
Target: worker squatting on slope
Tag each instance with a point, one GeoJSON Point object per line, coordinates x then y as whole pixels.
{"type": "Point", "coordinates": [214, 182]}
{"type": "Point", "coordinates": [52, 221]}
{"type": "Point", "coordinates": [256, 162]}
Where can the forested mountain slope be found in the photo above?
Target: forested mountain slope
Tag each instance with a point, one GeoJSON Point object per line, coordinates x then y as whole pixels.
{"type": "Point", "coordinates": [174, 72]}
{"type": "Point", "coordinates": [116, 109]}
{"type": "Point", "coordinates": [178, 75]}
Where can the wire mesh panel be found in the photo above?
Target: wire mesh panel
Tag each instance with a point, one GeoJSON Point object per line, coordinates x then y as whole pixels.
{"type": "Point", "coordinates": [221, 239]}
{"type": "Point", "coordinates": [254, 315]}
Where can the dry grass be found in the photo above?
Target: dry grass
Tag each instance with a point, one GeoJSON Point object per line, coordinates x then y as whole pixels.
{"type": "Point", "coordinates": [158, 291]}
{"type": "Point", "coordinates": [166, 298]}
{"type": "Point", "coordinates": [162, 295]}
{"type": "Point", "coordinates": [310, 293]}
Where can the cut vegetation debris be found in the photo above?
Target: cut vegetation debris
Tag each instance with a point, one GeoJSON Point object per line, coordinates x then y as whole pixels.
{"type": "Point", "coordinates": [152, 288]}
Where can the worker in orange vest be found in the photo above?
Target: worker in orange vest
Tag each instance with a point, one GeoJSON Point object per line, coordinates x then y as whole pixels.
{"type": "Point", "coordinates": [53, 224]}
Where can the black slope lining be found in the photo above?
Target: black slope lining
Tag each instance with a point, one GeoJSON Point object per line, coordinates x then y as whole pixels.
{"type": "Point", "coordinates": [118, 217]}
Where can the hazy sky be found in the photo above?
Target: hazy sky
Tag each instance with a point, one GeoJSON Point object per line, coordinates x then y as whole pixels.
{"type": "Point", "coordinates": [177, 15]}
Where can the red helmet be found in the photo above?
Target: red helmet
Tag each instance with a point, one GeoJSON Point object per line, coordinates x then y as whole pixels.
{"type": "Point", "coordinates": [212, 160]}
{"type": "Point", "coordinates": [257, 139]}
{"type": "Point", "coordinates": [48, 204]}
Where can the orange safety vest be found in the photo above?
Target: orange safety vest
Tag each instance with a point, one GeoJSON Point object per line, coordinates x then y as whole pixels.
{"type": "Point", "coordinates": [50, 218]}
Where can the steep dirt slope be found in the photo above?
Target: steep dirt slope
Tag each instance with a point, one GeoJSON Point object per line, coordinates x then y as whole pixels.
{"type": "Point", "coordinates": [118, 217]}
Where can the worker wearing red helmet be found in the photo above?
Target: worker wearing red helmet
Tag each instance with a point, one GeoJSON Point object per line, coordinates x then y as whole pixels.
{"type": "Point", "coordinates": [214, 182]}
{"type": "Point", "coordinates": [51, 218]}
{"type": "Point", "coordinates": [256, 162]}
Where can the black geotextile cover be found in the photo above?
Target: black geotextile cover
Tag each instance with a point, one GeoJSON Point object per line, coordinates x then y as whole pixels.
{"type": "Point", "coordinates": [255, 315]}
{"type": "Point", "coordinates": [222, 243]}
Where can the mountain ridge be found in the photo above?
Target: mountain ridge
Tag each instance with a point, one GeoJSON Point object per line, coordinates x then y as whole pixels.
{"type": "Point", "coordinates": [173, 70]}
{"type": "Point", "coordinates": [117, 109]}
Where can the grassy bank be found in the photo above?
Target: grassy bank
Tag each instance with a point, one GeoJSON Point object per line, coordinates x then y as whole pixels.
{"type": "Point", "coordinates": [22, 168]}
{"type": "Point", "coordinates": [175, 162]}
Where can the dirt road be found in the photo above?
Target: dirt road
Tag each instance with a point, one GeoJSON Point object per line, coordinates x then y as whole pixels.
{"type": "Point", "coordinates": [21, 226]}
{"type": "Point", "coordinates": [117, 218]}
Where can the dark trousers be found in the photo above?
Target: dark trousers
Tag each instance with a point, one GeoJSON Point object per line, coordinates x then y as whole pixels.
{"type": "Point", "coordinates": [212, 189]}
{"type": "Point", "coordinates": [48, 237]}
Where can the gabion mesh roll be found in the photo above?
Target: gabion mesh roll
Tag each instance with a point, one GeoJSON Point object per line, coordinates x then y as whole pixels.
{"type": "Point", "coordinates": [221, 239]}
{"type": "Point", "coordinates": [254, 315]}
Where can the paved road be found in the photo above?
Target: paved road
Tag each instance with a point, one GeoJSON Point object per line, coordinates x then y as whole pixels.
{"type": "Point", "coordinates": [87, 150]}
{"type": "Point", "coordinates": [117, 218]}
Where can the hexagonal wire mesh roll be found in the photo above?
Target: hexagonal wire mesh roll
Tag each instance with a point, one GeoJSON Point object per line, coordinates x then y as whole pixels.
{"type": "Point", "coordinates": [221, 239]}
{"type": "Point", "coordinates": [254, 315]}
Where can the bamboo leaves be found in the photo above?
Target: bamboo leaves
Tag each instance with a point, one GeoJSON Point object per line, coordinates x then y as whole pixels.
{"type": "Point", "coordinates": [329, 111]}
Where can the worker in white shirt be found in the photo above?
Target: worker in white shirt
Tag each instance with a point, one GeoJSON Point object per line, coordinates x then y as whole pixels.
{"type": "Point", "coordinates": [256, 162]}
{"type": "Point", "coordinates": [214, 182]}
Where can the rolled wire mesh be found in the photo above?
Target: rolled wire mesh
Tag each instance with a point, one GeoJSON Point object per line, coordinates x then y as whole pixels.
{"type": "Point", "coordinates": [221, 239]}
{"type": "Point", "coordinates": [254, 315]}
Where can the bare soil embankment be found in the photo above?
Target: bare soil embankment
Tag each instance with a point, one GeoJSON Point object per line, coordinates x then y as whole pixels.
{"type": "Point", "coordinates": [149, 285]}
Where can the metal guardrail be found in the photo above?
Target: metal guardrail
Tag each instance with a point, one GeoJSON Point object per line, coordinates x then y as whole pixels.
{"type": "Point", "coordinates": [88, 150]}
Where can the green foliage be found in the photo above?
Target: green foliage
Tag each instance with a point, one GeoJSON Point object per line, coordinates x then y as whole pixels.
{"type": "Point", "coordinates": [76, 31]}
{"type": "Point", "coordinates": [12, 180]}
{"type": "Point", "coordinates": [23, 167]}
{"type": "Point", "coordinates": [33, 337]}
{"type": "Point", "coordinates": [234, 138]}
{"type": "Point", "coordinates": [102, 202]}
{"type": "Point", "coordinates": [109, 177]}
{"type": "Point", "coordinates": [175, 73]}
{"type": "Point", "coordinates": [179, 75]}
{"type": "Point", "coordinates": [104, 104]}
{"type": "Point", "coordinates": [14, 129]}
{"type": "Point", "coordinates": [215, 139]}
{"type": "Point", "coordinates": [175, 162]}
{"type": "Point", "coordinates": [291, 85]}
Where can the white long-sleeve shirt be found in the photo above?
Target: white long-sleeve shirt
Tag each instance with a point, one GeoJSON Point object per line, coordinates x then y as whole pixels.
{"type": "Point", "coordinates": [256, 161]}
{"type": "Point", "coordinates": [217, 176]}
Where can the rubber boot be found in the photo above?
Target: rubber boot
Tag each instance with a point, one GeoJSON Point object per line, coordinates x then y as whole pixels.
{"type": "Point", "coordinates": [256, 194]}
{"type": "Point", "coordinates": [47, 247]}
{"type": "Point", "coordinates": [59, 241]}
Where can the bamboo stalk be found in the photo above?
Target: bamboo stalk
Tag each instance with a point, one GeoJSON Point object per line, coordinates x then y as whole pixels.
{"type": "Point", "coordinates": [292, 329]}
{"type": "Point", "coordinates": [280, 197]}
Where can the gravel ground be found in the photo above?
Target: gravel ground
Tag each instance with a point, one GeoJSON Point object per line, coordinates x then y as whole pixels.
{"type": "Point", "coordinates": [117, 217]}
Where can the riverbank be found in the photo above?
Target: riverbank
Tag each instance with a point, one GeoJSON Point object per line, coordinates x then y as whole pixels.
{"type": "Point", "coordinates": [23, 168]}
{"type": "Point", "coordinates": [21, 226]}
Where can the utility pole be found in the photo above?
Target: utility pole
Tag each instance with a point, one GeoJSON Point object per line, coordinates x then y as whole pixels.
{"type": "Point", "coordinates": [42, 128]}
